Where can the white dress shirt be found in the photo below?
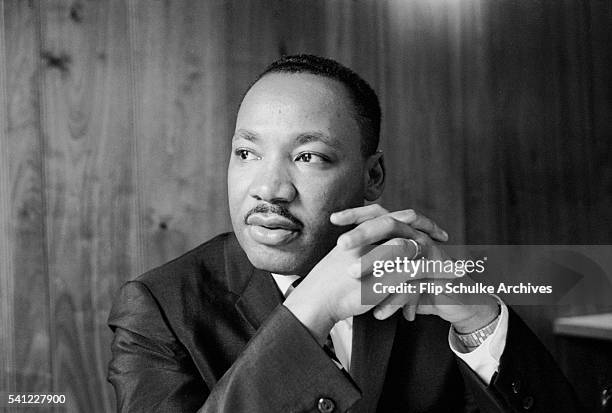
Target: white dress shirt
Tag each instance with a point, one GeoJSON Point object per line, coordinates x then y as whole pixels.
{"type": "Point", "coordinates": [484, 359]}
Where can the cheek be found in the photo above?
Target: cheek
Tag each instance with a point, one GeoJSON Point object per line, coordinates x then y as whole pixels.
{"type": "Point", "coordinates": [333, 195]}
{"type": "Point", "coordinates": [237, 189]}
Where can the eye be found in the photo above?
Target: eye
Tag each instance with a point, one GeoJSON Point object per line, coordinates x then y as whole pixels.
{"type": "Point", "coordinates": [310, 157]}
{"type": "Point", "coordinates": [246, 155]}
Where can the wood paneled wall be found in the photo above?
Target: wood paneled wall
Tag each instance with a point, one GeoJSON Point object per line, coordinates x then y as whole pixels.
{"type": "Point", "coordinates": [116, 115]}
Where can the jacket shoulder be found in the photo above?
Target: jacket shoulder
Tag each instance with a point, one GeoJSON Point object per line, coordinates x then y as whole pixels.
{"type": "Point", "coordinates": [202, 268]}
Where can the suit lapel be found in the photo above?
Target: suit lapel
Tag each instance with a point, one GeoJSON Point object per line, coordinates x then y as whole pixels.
{"type": "Point", "coordinates": [257, 292]}
{"type": "Point", "coordinates": [259, 299]}
{"type": "Point", "coordinates": [372, 344]}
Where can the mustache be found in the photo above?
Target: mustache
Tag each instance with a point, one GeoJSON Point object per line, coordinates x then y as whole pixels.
{"type": "Point", "coordinates": [273, 209]}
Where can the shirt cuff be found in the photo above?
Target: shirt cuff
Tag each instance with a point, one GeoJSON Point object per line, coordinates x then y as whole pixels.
{"type": "Point", "coordinates": [484, 359]}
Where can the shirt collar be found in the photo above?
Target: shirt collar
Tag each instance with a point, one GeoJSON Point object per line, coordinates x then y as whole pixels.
{"type": "Point", "coordinates": [284, 282]}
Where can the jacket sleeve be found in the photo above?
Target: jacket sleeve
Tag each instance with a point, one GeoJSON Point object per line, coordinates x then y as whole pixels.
{"type": "Point", "coordinates": [282, 368]}
{"type": "Point", "coordinates": [528, 378]}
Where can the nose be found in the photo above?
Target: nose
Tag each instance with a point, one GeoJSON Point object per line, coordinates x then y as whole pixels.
{"type": "Point", "coordinates": [273, 183]}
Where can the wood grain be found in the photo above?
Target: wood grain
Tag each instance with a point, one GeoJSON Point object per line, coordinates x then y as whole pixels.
{"type": "Point", "coordinates": [181, 124]}
{"type": "Point", "coordinates": [424, 150]}
{"type": "Point", "coordinates": [599, 16]}
{"type": "Point", "coordinates": [7, 343]}
{"type": "Point", "coordinates": [91, 222]}
{"type": "Point", "coordinates": [32, 333]}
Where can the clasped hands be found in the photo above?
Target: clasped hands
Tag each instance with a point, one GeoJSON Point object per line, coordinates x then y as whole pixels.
{"type": "Point", "coordinates": [332, 290]}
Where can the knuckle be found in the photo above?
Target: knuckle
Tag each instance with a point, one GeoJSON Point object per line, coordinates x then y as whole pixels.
{"type": "Point", "coordinates": [377, 209]}
{"type": "Point", "coordinates": [397, 241]}
{"type": "Point", "coordinates": [422, 239]}
{"type": "Point", "coordinates": [354, 235]}
{"type": "Point", "coordinates": [388, 222]}
{"type": "Point", "coordinates": [425, 245]}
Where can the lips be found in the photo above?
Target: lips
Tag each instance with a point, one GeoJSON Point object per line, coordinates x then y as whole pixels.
{"type": "Point", "coordinates": [272, 229]}
{"type": "Point", "coordinates": [272, 221]}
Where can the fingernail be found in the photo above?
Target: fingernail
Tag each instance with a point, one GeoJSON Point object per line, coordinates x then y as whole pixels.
{"type": "Point", "coordinates": [445, 235]}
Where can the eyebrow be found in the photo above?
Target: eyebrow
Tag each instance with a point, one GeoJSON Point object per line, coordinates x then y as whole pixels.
{"type": "Point", "coordinates": [245, 134]}
{"type": "Point", "coordinates": [314, 136]}
{"type": "Point", "coordinates": [302, 139]}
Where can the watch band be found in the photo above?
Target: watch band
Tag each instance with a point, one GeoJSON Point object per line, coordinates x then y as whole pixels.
{"type": "Point", "coordinates": [476, 338]}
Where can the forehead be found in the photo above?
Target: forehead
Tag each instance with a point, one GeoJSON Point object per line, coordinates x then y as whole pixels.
{"type": "Point", "coordinates": [291, 103]}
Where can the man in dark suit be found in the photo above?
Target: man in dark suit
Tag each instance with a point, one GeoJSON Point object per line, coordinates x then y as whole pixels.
{"type": "Point", "coordinates": [231, 327]}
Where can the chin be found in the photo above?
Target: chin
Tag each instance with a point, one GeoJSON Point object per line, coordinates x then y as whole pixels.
{"type": "Point", "coordinates": [280, 262]}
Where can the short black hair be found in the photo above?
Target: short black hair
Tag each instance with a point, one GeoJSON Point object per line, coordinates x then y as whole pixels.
{"type": "Point", "coordinates": [365, 101]}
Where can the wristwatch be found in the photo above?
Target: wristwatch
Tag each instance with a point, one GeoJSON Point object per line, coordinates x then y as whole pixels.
{"type": "Point", "coordinates": [476, 338]}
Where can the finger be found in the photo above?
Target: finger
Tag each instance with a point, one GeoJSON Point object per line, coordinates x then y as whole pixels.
{"type": "Point", "coordinates": [410, 311]}
{"type": "Point", "coordinates": [379, 229]}
{"type": "Point", "coordinates": [394, 258]}
{"type": "Point", "coordinates": [433, 305]}
{"type": "Point", "coordinates": [426, 309]}
{"type": "Point", "coordinates": [426, 305]}
{"type": "Point", "coordinates": [357, 215]}
{"type": "Point", "coordinates": [388, 251]}
{"type": "Point", "coordinates": [387, 307]}
{"type": "Point", "coordinates": [408, 216]}
{"type": "Point", "coordinates": [420, 222]}
{"type": "Point", "coordinates": [382, 312]}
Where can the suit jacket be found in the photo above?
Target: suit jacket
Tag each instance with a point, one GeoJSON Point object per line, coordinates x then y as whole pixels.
{"type": "Point", "coordinates": [207, 332]}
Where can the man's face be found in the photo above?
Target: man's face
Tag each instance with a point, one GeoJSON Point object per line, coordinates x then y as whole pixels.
{"type": "Point", "coordinates": [296, 158]}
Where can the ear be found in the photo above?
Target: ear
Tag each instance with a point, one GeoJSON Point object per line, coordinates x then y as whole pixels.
{"type": "Point", "coordinates": [374, 176]}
